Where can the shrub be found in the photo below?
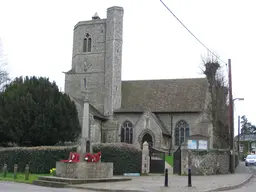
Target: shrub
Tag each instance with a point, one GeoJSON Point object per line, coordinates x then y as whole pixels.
{"type": "Point", "coordinates": [34, 112]}
{"type": "Point", "coordinates": [126, 158]}
{"type": "Point", "coordinates": [40, 159]}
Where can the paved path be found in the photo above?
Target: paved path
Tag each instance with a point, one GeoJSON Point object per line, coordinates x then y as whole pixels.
{"type": "Point", "coordinates": [176, 183]}
{"type": "Point", "coordinates": [249, 187]}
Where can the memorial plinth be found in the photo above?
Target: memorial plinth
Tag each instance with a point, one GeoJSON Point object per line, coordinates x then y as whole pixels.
{"type": "Point", "coordinates": [84, 170]}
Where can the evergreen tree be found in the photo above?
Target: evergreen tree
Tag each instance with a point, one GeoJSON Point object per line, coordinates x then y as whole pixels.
{"type": "Point", "coordinates": [246, 127]}
{"type": "Point", "coordinates": [34, 112]}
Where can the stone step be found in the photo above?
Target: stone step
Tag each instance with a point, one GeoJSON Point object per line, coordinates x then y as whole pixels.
{"type": "Point", "coordinates": [73, 181]}
{"type": "Point", "coordinates": [104, 180]}
{"type": "Point", "coordinates": [62, 180]}
{"type": "Point", "coordinates": [50, 183]}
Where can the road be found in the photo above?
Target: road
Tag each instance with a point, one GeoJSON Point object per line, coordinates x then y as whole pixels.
{"type": "Point", "coordinates": [21, 187]}
{"type": "Point", "coordinates": [250, 186]}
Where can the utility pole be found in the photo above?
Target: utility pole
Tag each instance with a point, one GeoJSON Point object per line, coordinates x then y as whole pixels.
{"type": "Point", "coordinates": [238, 138]}
{"type": "Point", "coordinates": [231, 122]}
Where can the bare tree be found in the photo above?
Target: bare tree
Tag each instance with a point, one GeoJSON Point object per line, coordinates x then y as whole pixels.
{"type": "Point", "coordinates": [217, 109]}
{"type": "Point", "coordinates": [4, 75]}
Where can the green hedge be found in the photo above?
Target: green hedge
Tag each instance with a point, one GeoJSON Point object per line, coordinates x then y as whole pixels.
{"type": "Point", "coordinates": [125, 157]}
{"type": "Point", "coordinates": [40, 159]}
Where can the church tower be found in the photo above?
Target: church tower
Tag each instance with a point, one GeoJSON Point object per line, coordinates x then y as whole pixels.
{"type": "Point", "coordinates": [96, 62]}
{"type": "Point", "coordinates": [113, 59]}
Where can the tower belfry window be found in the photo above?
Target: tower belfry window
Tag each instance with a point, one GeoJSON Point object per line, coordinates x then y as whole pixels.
{"type": "Point", "coordinates": [87, 43]}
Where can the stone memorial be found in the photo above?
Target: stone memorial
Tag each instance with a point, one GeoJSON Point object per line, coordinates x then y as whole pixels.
{"type": "Point", "coordinates": [85, 169]}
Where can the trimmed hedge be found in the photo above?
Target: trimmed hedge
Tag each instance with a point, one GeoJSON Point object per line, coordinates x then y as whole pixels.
{"type": "Point", "coordinates": [40, 159]}
{"type": "Point", "coordinates": [126, 158]}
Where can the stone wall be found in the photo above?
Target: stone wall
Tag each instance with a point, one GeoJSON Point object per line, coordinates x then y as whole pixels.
{"type": "Point", "coordinates": [93, 61]}
{"type": "Point", "coordinates": [79, 109]}
{"type": "Point", "coordinates": [196, 121]}
{"type": "Point", "coordinates": [110, 131]}
{"type": "Point", "coordinates": [205, 162]}
{"type": "Point", "coordinates": [95, 131]}
{"type": "Point", "coordinates": [98, 71]}
{"type": "Point", "coordinates": [113, 60]}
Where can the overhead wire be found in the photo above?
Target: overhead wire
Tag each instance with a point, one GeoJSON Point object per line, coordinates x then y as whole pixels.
{"type": "Point", "coordinates": [192, 33]}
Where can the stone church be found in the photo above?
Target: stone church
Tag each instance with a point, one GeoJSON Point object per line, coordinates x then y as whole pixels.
{"type": "Point", "coordinates": [162, 112]}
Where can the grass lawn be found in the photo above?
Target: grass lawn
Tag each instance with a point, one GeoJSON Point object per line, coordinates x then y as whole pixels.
{"type": "Point", "coordinates": [21, 177]}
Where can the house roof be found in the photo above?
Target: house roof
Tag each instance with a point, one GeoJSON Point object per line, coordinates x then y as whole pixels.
{"type": "Point", "coordinates": [244, 137]}
{"type": "Point", "coordinates": [171, 95]}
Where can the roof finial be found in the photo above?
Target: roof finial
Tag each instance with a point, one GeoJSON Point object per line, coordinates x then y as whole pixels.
{"type": "Point", "coordinates": [95, 16]}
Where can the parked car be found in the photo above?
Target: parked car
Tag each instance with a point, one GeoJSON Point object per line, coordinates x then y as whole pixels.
{"type": "Point", "coordinates": [250, 160]}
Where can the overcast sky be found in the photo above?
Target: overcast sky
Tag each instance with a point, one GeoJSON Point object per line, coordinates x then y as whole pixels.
{"type": "Point", "coordinates": [37, 37]}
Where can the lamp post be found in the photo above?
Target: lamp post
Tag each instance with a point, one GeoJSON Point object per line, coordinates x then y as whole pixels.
{"type": "Point", "coordinates": [239, 99]}
{"type": "Point", "coordinates": [238, 137]}
{"type": "Point", "coordinates": [232, 170]}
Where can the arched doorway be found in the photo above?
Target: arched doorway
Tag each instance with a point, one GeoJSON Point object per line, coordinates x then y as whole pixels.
{"type": "Point", "coordinates": [147, 137]}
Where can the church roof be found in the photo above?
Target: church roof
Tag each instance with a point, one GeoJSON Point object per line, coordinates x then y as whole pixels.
{"type": "Point", "coordinates": [170, 95]}
{"type": "Point", "coordinates": [92, 109]}
{"type": "Point", "coordinates": [162, 126]}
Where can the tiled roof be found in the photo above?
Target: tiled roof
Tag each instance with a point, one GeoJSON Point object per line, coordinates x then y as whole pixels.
{"type": "Point", "coordinates": [172, 95]}
{"type": "Point", "coordinates": [243, 137]}
{"type": "Point", "coordinates": [162, 126]}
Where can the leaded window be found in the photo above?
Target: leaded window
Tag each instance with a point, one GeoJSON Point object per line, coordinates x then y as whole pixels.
{"type": "Point", "coordinates": [127, 132]}
{"type": "Point", "coordinates": [181, 132]}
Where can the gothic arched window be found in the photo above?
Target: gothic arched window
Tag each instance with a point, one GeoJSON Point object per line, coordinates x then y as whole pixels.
{"type": "Point", "coordinates": [87, 43]}
{"type": "Point", "coordinates": [181, 132]}
{"type": "Point", "coordinates": [127, 132]}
